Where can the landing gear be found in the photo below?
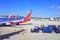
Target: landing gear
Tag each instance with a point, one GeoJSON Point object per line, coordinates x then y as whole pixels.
{"type": "Point", "coordinates": [17, 24]}
{"type": "Point", "coordinates": [29, 19]}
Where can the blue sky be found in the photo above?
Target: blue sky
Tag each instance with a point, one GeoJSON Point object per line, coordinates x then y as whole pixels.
{"type": "Point", "coordinates": [40, 8]}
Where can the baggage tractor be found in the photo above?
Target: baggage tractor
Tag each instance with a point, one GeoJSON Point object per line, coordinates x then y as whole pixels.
{"type": "Point", "coordinates": [35, 29]}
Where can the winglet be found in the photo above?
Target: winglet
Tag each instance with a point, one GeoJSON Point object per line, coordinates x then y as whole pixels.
{"type": "Point", "coordinates": [27, 18]}
{"type": "Point", "coordinates": [10, 16]}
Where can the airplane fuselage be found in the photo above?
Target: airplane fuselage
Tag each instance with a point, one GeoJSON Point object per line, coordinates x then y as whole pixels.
{"type": "Point", "coordinates": [7, 20]}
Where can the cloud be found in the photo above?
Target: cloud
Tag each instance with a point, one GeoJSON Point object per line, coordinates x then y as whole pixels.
{"type": "Point", "coordinates": [58, 7]}
{"type": "Point", "coordinates": [55, 7]}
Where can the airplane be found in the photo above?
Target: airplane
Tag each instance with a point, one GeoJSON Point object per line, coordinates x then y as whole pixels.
{"type": "Point", "coordinates": [10, 16]}
{"type": "Point", "coordinates": [17, 20]}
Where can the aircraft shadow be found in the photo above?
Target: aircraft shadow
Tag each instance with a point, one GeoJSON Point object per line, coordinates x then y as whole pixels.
{"type": "Point", "coordinates": [6, 36]}
{"type": "Point", "coordinates": [15, 25]}
{"type": "Point", "coordinates": [27, 24]}
{"type": "Point", "coordinates": [5, 25]}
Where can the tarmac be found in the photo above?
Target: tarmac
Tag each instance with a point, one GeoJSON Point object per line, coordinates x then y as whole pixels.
{"type": "Point", "coordinates": [22, 32]}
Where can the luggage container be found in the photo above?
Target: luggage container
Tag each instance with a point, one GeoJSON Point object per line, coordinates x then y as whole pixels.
{"type": "Point", "coordinates": [52, 26]}
{"type": "Point", "coordinates": [50, 29]}
{"type": "Point", "coordinates": [57, 30]}
{"type": "Point", "coordinates": [47, 29]}
{"type": "Point", "coordinates": [44, 29]}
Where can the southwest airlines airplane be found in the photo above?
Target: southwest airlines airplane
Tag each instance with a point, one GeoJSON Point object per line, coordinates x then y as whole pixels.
{"type": "Point", "coordinates": [16, 20]}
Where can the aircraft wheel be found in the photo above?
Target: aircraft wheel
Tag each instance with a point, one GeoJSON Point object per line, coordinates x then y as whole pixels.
{"type": "Point", "coordinates": [17, 24]}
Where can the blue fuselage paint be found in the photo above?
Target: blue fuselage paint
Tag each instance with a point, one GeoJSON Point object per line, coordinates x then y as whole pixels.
{"type": "Point", "coordinates": [9, 19]}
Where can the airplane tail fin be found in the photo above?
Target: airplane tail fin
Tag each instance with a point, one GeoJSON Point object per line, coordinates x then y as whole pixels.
{"type": "Point", "coordinates": [10, 16]}
{"type": "Point", "coordinates": [16, 18]}
{"type": "Point", "coordinates": [27, 18]}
